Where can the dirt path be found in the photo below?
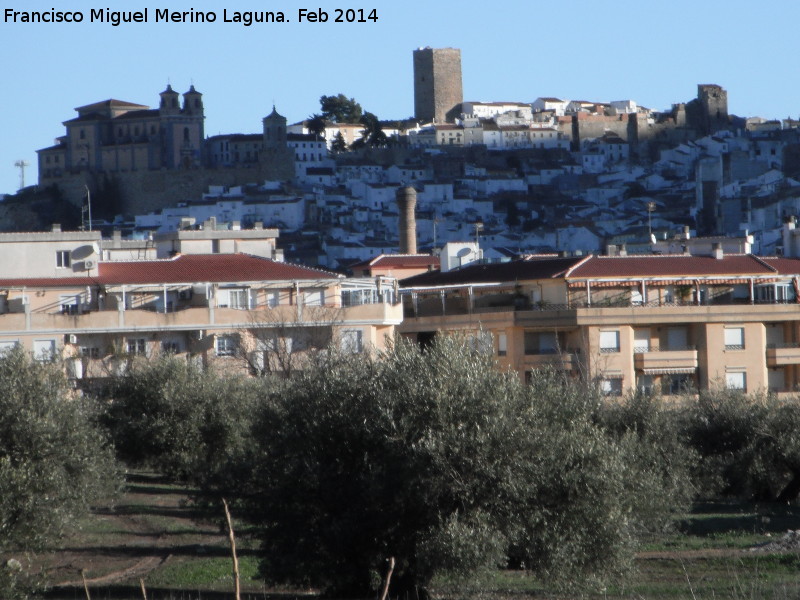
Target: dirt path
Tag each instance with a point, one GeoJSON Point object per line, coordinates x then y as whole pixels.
{"type": "Point", "coordinates": [148, 526]}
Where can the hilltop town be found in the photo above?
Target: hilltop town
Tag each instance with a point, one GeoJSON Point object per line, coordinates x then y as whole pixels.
{"type": "Point", "coordinates": [551, 175]}
{"type": "Point", "coordinates": [534, 227]}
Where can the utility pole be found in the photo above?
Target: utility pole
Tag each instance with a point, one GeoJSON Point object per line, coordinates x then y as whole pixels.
{"type": "Point", "coordinates": [21, 164]}
{"type": "Point", "coordinates": [89, 203]}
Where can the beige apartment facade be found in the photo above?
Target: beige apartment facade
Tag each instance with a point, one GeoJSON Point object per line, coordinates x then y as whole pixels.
{"type": "Point", "coordinates": [231, 310]}
{"type": "Point", "coordinates": [649, 323]}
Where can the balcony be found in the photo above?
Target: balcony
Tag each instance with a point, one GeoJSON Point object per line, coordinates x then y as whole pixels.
{"type": "Point", "coordinates": [655, 361]}
{"type": "Point", "coordinates": [563, 361]}
{"type": "Point", "coordinates": [780, 355]}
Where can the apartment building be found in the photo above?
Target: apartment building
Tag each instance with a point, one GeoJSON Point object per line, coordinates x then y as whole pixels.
{"type": "Point", "coordinates": [60, 297]}
{"type": "Point", "coordinates": [651, 323]}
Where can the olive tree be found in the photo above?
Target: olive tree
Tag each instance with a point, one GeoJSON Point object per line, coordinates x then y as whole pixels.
{"type": "Point", "coordinates": [55, 461]}
{"type": "Point", "coordinates": [436, 458]}
{"type": "Point", "coordinates": [186, 422]}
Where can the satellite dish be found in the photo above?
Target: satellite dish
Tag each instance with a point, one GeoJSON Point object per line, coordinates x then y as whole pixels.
{"type": "Point", "coordinates": [96, 247]}
{"type": "Point", "coordinates": [82, 252]}
{"type": "Point", "coordinates": [463, 252]}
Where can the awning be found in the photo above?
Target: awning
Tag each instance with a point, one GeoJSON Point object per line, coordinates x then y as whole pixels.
{"type": "Point", "coordinates": [670, 371]}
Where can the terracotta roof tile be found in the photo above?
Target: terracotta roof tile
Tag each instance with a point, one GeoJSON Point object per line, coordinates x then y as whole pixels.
{"type": "Point", "coordinates": [41, 282]}
{"type": "Point", "coordinates": [784, 266]}
{"type": "Point", "coordinates": [669, 265]}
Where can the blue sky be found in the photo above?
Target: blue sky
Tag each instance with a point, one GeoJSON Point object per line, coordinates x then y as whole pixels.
{"type": "Point", "coordinates": [652, 52]}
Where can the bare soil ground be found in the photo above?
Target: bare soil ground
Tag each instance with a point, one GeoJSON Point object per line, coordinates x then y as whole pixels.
{"type": "Point", "coordinates": [149, 527]}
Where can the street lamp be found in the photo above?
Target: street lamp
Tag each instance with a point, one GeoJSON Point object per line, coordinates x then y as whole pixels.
{"type": "Point", "coordinates": [651, 206]}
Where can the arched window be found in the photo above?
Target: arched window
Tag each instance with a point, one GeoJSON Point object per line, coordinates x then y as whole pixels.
{"type": "Point", "coordinates": [185, 134]}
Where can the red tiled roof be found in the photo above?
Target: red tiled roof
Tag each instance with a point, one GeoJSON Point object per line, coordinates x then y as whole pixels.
{"type": "Point", "coordinates": [65, 282]}
{"type": "Point", "coordinates": [212, 268]}
{"type": "Point", "coordinates": [669, 266]}
{"type": "Point", "coordinates": [784, 266]}
{"type": "Point", "coordinates": [188, 268]}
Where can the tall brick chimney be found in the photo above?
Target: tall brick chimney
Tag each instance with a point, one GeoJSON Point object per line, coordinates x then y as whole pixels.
{"type": "Point", "coordinates": [407, 202]}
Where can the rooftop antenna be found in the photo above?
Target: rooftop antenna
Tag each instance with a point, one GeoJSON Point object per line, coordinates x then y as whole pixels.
{"type": "Point", "coordinates": [21, 164]}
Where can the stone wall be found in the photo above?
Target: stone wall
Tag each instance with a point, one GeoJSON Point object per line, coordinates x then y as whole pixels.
{"type": "Point", "coordinates": [138, 192]}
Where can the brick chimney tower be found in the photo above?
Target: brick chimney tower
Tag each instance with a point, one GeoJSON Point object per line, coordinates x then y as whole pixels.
{"type": "Point", "coordinates": [407, 202]}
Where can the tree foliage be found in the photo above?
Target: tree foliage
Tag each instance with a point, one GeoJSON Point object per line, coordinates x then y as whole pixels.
{"type": "Point", "coordinates": [749, 445]}
{"type": "Point", "coordinates": [316, 125]}
{"type": "Point", "coordinates": [372, 135]}
{"type": "Point", "coordinates": [339, 144]}
{"type": "Point", "coordinates": [55, 461]}
{"type": "Point", "coordinates": [439, 460]}
{"type": "Point", "coordinates": [192, 424]}
{"type": "Point", "coordinates": [340, 109]}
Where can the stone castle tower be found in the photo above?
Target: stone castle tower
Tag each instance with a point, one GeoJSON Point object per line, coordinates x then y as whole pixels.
{"type": "Point", "coordinates": [714, 106]}
{"type": "Point", "coordinates": [438, 91]}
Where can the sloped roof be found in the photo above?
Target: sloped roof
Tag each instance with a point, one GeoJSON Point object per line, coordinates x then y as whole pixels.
{"type": "Point", "coordinates": [187, 268]}
{"type": "Point", "coordinates": [110, 103]}
{"type": "Point", "coordinates": [35, 282]}
{"type": "Point", "coordinates": [610, 267]}
{"type": "Point", "coordinates": [670, 266]}
{"type": "Point", "coordinates": [784, 266]}
{"type": "Point", "coordinates": [524, 269]}
{"type": "Point", "coordinates": [212, 268]}
{"type": "Point", "coordinates": [399, 261]}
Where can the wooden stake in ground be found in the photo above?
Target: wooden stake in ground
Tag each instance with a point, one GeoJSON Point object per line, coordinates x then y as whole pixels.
{"type": "Point", "coordinates": [85, 585]}
{"type": "Point", "coordinates": [388, 578]}
{"type": "Point", "coordinates": [144, 591]}
{"type": "Point", "coordinates": [237, 591]}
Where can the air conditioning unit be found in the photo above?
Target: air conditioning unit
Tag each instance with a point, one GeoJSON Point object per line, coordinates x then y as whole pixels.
{"type": "Point", "coordinates": [89, 264]}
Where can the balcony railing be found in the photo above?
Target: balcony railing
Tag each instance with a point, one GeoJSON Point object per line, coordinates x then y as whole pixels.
{"type": "Point", "coordinates": [560, 361]}
{"type": "Point", "coordinates": [656, 360]}
{"type": "Point", "coordinates": [433, 306]}
{"type": "Point", "coordinates": [781, 355]}
{"type": "Point", "coordinates": [656, 348]}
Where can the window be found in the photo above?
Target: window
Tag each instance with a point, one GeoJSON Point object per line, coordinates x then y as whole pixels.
{"type": "Point", "coordinates": [170, 347]}
{"type": "Point", "coordinates": [677, 338]}
{"type": "Point", "coordinates": [644, 385]}
{"type": "Point", "coordinates": [238, 298]}
{"type": "Point", "coordinates": [611, 386]}
{"type": "Point", "coordinates": [6, 345]}
{"type": "Point", "coordinates": [541, 342]}
{"type": "Point", "coordinates": [62, 259]}
{"type": "Point", "coordinates": [137, 346]}
{"type": "Point", "coordinates": [734, 338]}
{"type": "Point", "coordinates": [609, 342]}
{"type": "Point", "coordinates": [352, 341]}
{"type": "Point", "coordinates": [70, 305]}
{"type": "Point", "coordinates": [273, 298]}
{"type": "Point", "coordinates": [736, 380]}
{"type": "Point", "coordinates": [481, 342]}
{"type": "Point", "coordinates": [641, 340]}
{"type": "Point", "coordinates": [502, 344]}
{"type": "Point", "coordinates": [90, 352]}
{"type": "Point", "coordinates": [314, 297]}
{"type": "Point", "coordinates": [44, 349]}
{"type": "Point", "coordinates": [225, 345]}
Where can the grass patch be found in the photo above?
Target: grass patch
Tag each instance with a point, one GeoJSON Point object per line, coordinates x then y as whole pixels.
{"type": "Point", "coordinates": [204, 573]}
